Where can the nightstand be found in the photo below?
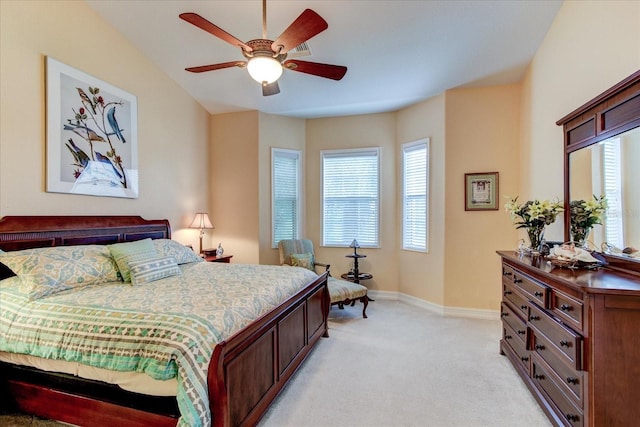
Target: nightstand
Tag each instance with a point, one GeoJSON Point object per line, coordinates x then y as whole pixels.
{"type": "Point", "coordinates": [224, 258]}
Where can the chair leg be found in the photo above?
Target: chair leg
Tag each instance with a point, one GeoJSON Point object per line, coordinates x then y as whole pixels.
{"type": "Point", "coordinates": [365, 303]}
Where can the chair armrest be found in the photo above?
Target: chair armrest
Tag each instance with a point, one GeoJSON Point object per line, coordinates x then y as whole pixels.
{"type": "Point", "coordinates": [321, 264]}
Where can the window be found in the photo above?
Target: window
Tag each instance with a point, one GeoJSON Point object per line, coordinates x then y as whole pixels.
{"type": "Point", "coordinates": [350, 197]}
{"type": "Point", "coordinates": [415, 197]}
{"type": "Point", "coordinates": [285, 194]}
{"type": "Point", "coordinates": [611, 166]}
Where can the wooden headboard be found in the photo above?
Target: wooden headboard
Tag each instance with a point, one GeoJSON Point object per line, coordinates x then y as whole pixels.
{"type": "Point", "coordinates": [26, 232]}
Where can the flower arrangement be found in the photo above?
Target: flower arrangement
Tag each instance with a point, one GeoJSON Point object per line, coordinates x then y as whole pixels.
{"type": "Point", "coordinates": [534, 216]}
{"type": "Point", "coordinates": [584, 215]}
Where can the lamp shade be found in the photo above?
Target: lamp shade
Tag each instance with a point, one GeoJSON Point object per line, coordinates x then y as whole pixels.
{"type": "Point", "coordinates": [354, 244]}
{"type": "Point", "coordinates": [201, 221]}
{"type": "Point", "coordinates": [264, 69]}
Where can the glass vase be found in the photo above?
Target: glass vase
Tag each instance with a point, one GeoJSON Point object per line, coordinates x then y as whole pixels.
{"type": "Point", "coordinates": [535, 239]}
{"type": "Point", "coordinates": [579, 237]}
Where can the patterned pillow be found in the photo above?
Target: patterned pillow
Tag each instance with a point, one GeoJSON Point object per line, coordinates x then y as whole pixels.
{"type": "Point", "coordinates": [125, 253]}
{"type": "Point", "coordinates": [303, 260]}
{"type": "Point", "coordinates": [153, 269]}
{"type": "Point", "coordinates": [181, 253]}
{"type": "Point", "coordinates": [45, 271]}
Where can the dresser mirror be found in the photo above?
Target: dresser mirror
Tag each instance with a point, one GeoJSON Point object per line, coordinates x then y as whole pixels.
{"type": "Point", "coordinates": [611, 168]}
{"type": "Point", "coordinates": [602, 158]}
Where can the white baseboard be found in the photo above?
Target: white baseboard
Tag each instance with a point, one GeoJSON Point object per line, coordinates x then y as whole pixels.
{"type": "Point", "coordinates": [471, 313]}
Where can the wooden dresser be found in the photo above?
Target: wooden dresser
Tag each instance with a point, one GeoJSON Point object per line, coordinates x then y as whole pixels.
{"type": "Point", "coordinates": [574, 338]}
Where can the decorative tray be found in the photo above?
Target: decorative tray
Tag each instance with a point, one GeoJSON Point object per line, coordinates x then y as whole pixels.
{"type": "Point", "coordinates": [569, 256]}
{"type": "Point", "coordinates": [562, 262]}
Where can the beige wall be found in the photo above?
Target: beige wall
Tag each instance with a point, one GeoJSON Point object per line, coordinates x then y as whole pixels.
{"type": "Point", "coordinates": [172, 127]}
{"type": "Point", "coordinates": [276, 132]}
{"type": "Point", "coordinates": [241, 180]}
{"type": "Point", "coordinates": [591, 46]}
{"type": "Point", "coordinates": [373, 130]}
{"type": "Point", "coordinates": [422, 275]}
{"type": "Point", "coordinates": [482, 129]}
{"type": "Point", "coordinates": [234, 184]}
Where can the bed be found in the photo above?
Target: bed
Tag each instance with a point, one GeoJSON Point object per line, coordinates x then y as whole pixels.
{"type": "Point", "coordinates": [240, 370]}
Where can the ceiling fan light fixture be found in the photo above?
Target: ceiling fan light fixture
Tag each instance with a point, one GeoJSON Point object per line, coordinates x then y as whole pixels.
{"type": "Point", "coordinates": [264, 69]}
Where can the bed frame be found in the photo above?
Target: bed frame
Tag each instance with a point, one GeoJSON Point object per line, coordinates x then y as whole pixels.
{"type": "Point", "coordinates": [246, 372]}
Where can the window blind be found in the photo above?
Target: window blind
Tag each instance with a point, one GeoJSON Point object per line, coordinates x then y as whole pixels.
{"type": "Point", "coordinates": [285, 189]}
{"type": "Point", "coordinates": [350, 197]}
{"type": "Point", "coordinates": [414, 195]}
{"type": "Point", "coordinates": [611, 168]}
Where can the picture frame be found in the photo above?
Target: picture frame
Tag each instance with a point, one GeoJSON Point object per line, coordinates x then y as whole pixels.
{"type": "Point", "coordinates": [92, 135]}
{"type": "Point", "coordinates": [481, 191]}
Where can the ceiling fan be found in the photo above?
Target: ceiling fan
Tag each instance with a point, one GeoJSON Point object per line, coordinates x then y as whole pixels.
{"type": "Point", "coordinates": [266, 58]}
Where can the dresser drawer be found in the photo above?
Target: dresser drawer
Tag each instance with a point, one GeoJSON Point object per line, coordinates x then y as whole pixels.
{"type": "Point", "coordinates": [569, 309]}
{"type": "Point", "coordinates": [530, 288]}
{"type": "Point", "coordinates": [518, 326]}
{"type": "Point", "coordinates": [517, 347]}
{"type": "Point", "coordinates": [516, 299]}
{"type": "Point", "coordinates": [571, 380]}
{"type": "Point", "coordinates": [545, 379]}
{"type": "Point", "coordinates": [550, 335]}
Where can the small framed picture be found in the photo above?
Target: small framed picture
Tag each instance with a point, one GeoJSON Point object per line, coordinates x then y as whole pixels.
{"type": "Point", "coordinates": [481, 191]}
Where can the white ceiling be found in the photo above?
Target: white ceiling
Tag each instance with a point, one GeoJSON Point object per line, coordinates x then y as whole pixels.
{"type": "Point", "coordinates": [397, 52]}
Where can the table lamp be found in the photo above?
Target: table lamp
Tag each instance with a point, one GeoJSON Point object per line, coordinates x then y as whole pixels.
{"type": "Point", "coordinates": [355, 245]}
{"type": "Point", "coordinates": [201, 221]}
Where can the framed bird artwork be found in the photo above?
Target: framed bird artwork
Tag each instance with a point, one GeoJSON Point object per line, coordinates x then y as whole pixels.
{"type": "Point", "coordinates": [92, 135]}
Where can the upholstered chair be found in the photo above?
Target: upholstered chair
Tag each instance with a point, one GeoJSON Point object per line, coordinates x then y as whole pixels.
{"type": "Point", "coordinates": [299, 253]}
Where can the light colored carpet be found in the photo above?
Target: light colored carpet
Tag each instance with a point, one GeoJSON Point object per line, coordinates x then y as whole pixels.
{"type": "Point", "coordinates": [403, 366]}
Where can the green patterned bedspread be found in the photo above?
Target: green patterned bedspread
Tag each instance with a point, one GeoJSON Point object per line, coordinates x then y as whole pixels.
{"type": "Point", "coordinates": [165, 328]}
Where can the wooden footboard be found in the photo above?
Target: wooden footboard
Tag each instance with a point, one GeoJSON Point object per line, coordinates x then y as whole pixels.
{"type": "Point", "coordinates": [246, 373]}
{"type": "Point", "coordinates": [249, 370]}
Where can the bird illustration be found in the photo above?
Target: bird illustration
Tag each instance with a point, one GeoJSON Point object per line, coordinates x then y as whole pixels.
{"type": "Point", "coordinates": [111, 116]}
{"type": "Point", "coordinates": [85, 98]}
{"type": "Point", "coordinates": [81, 158]}
{"type": "Point", "coordinates": [104, 159]}
{"type": "Point", "coordinates": [84, 132]}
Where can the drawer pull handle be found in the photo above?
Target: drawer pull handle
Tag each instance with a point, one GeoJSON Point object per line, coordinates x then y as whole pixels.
{"type": "Point", "coordinates": [516, 280]}
{"type": "Point", "coordinates": [538, 294]}
{"type": "Point", "coordinates": [507, 293]}
{"type": "Point", "coordinates": [533, 318]}
{"type": "Point", "coordinates": [507, 337]}
{"type": "Point", "coordinates": [524, 358]}
{"type": "Point", "coordinates": [564, 343]}
{"type": "Point", "coordinates": [571, 380]}
{"type": "Point", "coordinates": [572, 418]}
{"type": "Point", "coordinates": [538, 376]}
{"type": "Point", "coordinates": [504, 314]}
{"type": "Point", "coordinates": [506, 273]}
{"type": "Point", "coordinates": [539, 347]}
{"type": "Point", "coordinates": [566, 307]}
{"type": "Point", "coordinates": [523, 306]}
{"type": "Point", "coordinates": [522, 332]}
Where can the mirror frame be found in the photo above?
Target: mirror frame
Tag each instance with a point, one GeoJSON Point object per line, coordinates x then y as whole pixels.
{"type": "Point", "coordinates": [613, 112]}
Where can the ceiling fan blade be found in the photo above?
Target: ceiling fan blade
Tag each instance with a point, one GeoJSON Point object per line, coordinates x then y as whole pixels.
{"type": "Point", "coordinates": [270, 89]}
{"type": "Point", "coordinates": [203, 68]}
{"type": "Point", "coordinates": [203, 24]}
{"type": "Point", "coordinates": [307, 25]}
{"type": "Point", "coordinates": [328, 71]}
